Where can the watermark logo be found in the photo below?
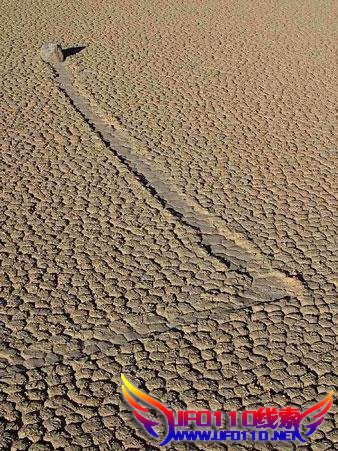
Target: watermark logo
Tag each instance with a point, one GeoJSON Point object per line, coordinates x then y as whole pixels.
{"type": "Point", "coordinates": [263, 424]}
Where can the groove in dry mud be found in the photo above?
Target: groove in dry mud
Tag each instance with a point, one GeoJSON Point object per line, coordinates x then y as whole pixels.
{"type": "Point", "coordinates": [263, 284]}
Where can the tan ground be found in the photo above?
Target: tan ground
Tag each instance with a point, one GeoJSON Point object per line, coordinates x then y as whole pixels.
{"type": "Point", "coordinates": [232, 103]}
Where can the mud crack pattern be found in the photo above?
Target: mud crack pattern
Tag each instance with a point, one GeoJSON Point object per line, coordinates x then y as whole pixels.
{"type": "Point", "coordinates": [99, 276]}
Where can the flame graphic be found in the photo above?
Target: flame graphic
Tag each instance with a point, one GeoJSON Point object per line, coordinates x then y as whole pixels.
{"type": "Point", "coordinates": [132, 394]}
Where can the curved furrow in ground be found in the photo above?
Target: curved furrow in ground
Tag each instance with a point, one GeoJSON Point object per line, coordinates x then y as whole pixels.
{"type": "Point", "coordinates": [238, 254]}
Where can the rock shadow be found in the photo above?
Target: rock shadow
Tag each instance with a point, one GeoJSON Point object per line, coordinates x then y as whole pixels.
{"type": "Point", "coordinates": [72, 51]}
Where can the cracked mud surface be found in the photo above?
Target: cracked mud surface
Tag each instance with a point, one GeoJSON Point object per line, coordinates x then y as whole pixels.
{"type": "Point", "coordinates": [209, 281]}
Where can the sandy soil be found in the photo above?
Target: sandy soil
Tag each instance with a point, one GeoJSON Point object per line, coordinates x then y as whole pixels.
{"type": "Point", "coordinates": [231, 105]}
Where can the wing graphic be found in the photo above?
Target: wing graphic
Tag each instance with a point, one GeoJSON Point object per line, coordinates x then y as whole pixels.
{"type": "Point", "coordinates": [132, 395]}
{"type": "Point", "coordinates": [315, 420]}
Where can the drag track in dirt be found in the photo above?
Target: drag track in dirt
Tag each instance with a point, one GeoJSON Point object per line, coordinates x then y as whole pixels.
{"type": "Point", "coordinates": [239, 255]}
